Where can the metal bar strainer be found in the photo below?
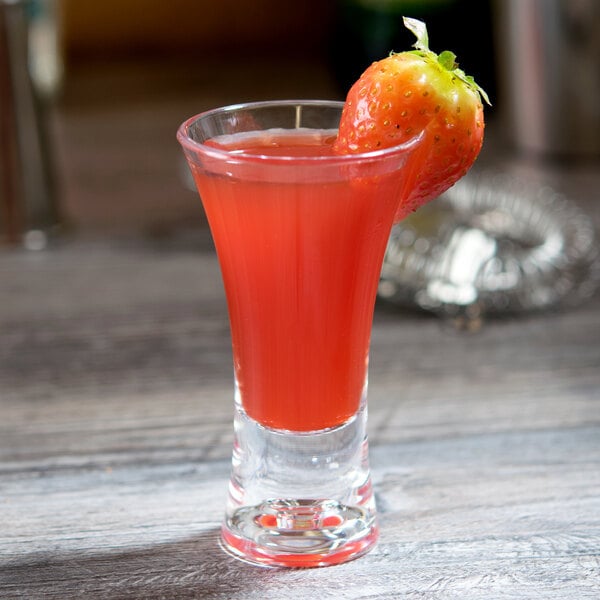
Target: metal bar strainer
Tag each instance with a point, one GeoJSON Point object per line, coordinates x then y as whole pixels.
{"type": "Point", "coordinates": [491, 244]}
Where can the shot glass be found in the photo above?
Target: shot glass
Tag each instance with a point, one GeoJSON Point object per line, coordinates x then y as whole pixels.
{"type": "Point", "coordinates": [300, 234]}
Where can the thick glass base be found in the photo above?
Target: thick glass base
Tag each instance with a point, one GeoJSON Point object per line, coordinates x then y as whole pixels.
{"type": "Point", "coordinates": [299, 499]}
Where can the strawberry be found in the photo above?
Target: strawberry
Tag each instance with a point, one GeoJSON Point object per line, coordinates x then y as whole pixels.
{"type": "Point", "coordinates": [410, 93]}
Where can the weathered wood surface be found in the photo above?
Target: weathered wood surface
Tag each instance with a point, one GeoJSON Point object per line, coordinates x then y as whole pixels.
{"type": "Point", "coordinates": [115, 433]}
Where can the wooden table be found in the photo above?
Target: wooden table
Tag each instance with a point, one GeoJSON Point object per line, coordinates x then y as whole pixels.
{"type": "Point", "coordinates": [115, 437]}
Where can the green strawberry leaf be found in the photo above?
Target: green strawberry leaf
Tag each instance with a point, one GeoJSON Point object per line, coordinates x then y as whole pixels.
{"type": "Point", "coordinates": [448, 60]}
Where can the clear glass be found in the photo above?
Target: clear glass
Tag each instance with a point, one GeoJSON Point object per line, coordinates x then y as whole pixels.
{"type": "Point", "coordinates": [300, 234]}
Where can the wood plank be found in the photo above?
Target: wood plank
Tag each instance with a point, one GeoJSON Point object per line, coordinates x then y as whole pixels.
{"type": "Point", "coordinates": [475, 514]}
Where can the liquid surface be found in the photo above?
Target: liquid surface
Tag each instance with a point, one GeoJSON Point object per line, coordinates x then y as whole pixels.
{"type": "Point", "coordinates": [279, 142]}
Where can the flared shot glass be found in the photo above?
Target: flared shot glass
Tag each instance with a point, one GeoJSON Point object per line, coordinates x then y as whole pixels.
{"type": "Point", "coordinates": [300, 234]}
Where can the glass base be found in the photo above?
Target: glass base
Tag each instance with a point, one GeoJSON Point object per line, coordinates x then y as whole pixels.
{"type": "Point", "coordinates": [299, 499]}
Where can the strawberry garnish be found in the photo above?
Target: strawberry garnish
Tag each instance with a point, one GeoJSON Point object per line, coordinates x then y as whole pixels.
{"type": "Point", "coordinates": [412, 93]}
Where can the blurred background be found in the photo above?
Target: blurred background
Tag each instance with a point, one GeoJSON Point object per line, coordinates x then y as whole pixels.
{"type": "Point", "coordinates": [112, 80]}
{"type": "Point", "coordinates": [92, 93]}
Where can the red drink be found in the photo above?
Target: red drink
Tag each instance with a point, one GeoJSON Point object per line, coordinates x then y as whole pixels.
{"type": "Point", "coordinates": [300, 232]}
{"type": "Point", "coordinates": [300, 258]}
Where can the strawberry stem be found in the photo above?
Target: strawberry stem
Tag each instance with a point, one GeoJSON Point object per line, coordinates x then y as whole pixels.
{"type": "Point", "coordinates": [420, 30]}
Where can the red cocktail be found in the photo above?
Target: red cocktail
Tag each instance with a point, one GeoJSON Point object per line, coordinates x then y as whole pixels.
{"type": "Point", "coordinates": [300, 234]}
{"type": "Point", "coordinates": [309, 251]}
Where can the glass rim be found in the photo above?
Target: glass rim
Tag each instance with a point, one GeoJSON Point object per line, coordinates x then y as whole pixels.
{"type": "Point", "coordinates": [188, 143]}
